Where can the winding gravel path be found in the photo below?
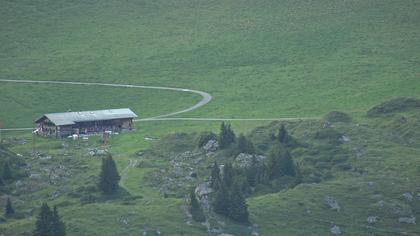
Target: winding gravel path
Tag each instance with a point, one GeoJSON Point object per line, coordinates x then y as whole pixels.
{"type": "Point", "coordinates": [206, 98]}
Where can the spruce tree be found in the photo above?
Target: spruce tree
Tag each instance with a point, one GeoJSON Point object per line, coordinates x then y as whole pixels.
{"type": "Point", "coordinates": [196, 211]}
{"type": "Point", "coordinates": [221, 200]}
{"type": "Point", "coordinates": [215, 177]}
{"type": "Point", "coordinates": [7, 173]}
{"type": "Point", "coordinates": [109, 177]}
{"type": "Point", "coordinates": [287, 167]}
{"type": "Point", "coordinates": [223, 139]}
{"type": "Point", "coordinates": [58, 227]}
{"type": "Point", "coordinates": [280, 163]}
{"type": "Point", "coordinates": [228, 174]}
{"type": "Point", "coordinates": [8, 210]}
{"type": "Point", "coordinates": [231, 135]}
{"type": "Point", "coordinates": [237, 209]}
{"type": "Point", "coordinates": [283, 136]}
{"type": "Point", "coordinates": [43, 225]}
{"type": "Point", "coordinates": [244, 145]}
{"type": "Point", "coordinates": [1, 181]}
{"type": "Point", "coordinates": [274, 162]}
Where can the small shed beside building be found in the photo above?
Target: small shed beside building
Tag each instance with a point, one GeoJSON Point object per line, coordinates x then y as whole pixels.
{"type": "Point", "coordinates": [85, 122]}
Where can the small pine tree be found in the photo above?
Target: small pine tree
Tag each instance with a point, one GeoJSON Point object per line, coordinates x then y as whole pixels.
{"type": "Point", "coordinates": [223, 140]}
{"type": "Point", "coordinates": [58, 226]}
{"type": "Point", "coordinates": [237, 209]}
{"type": "Point", "coordinates": [283, 136]}
{"type": "Point", "coordinates": [221, 200]}
{"type": "Point", "coordinates": [244, 145]}
{"type": "Point", "coordinates": [287, 166]}
{"type": "Point", "coordinates": [215, 177]}
{"type": "Point", "coordinates": [231, 137]}
{"type": "Point", "coordinates": [228, 174]}
{"type": "Point", "coordinates": [44, 222]}
{"type": "Point", "coordinates": [8, 210]}
{"type": "Point", "coordinates": [109, 177]}
{"type": "Point", "coordinates": [7, 173]}
{"type": "Point", "coordinates": [1, 181]}
{"type": "Point", "coordinates": [298, 175]}
{"type": "Point", "coordinates": [195, 208]}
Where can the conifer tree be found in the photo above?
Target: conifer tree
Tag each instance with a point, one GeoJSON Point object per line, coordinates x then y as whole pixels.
{"type": "Point", "coordinates": [8, 210]}
{"type": "Point", "coordinates": [58, 227]}
{"type": "Point", "coordinates": [280, 163]}
{"type": "Point", "coordinates": [109, 177]}
{"type": "Point", "coordinates": [215, 177]}
{"type": "Point", "coordinates": [7, 173]}
{"type": "Point", "coordinates": [237, 209]}
{"type": "Point", "coordinates": [283, 136]}
{"type": "Point", "coordinates": [244, 145]}
{"type": "Point", "coordinates": [223, 141]}
{"type": "Point", "coordinates": [298, 174]}
{"type": "Point", "coordinates": [228, 174]}
{"type": "Point", "coordinates": [48, 223]}
{"type": "Point", "coordinates": [196, 211]}
{"type": "Point", "coordinates": [1, 181]}
{"type": "Point", "coordinates": [231, 135]}
{"type": "Point", "coordinates": [221, 200]}
{"type": "Point", "coordinates": [287, 167]}
{"type": "Point", "coordinates": [44, 222]}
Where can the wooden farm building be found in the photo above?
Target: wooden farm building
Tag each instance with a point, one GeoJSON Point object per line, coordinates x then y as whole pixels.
{"type": "Point", "coordinates": [85, 122]}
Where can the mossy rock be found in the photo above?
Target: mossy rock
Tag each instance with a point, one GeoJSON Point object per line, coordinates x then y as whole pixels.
{"type": "Point", "coordinates": [394, 105]}
{"type": "Point", "coordinates": [338, 116]}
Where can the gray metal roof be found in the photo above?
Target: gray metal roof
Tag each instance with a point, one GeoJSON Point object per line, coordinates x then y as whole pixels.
{"type": "Point", "coordinates": [70, 118]}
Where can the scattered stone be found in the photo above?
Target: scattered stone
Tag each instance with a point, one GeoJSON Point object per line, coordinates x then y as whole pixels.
{"type": "Point", "coordinates": [344, 139]}
{"type": "Point", "coordinates": [225, 234]}
{"type": "Point", "coordinates": [371, 183]}
{"type": "Point", "coordinates": [332, 203]}
{"type": "Point", "coordinates": [407, 220]}
{"type": "Point", "coordinates": [408, 196]}
{"type": "Point", "coordinates": [372, 219]}
{"type": "Point", "coordinates": [335, 230]}
{"type": "Point", "coordinates": [381, 203]}
{"type": "Point", "coordinates": [247, 160]}
{"type": "Point", "coordinates": [211, 146]}
{"type": "Point", "coordinates": [357, 152]}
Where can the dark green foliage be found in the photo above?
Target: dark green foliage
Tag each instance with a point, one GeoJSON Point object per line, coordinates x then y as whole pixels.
{"type": "Point", "coordinates": [394, 105]}
{"type": "Point", "coordinates": [280, 163]}
{"type": "Point", "coordinates": [221, 200]}
{"type": "Point", "coordinates": [228, 174]}
{"type": "Point", "coordinates": [330, 135]}
{"type": "Point", "coordinates": [215, 176]}
{"type": "Point", "coordinates": [338, 116]}
{"type": "Point", "coordinates": [8, 210]}
{"type": "Point", "coordinates": [1, 181]}
{"type": "Point", "coordinates": [6, 173]}
{"type": "Point", "coordinates": [226, 136]}
{"type": "Point", "coordinates": [195, 208]}
{"type": "Point", "coordinates": [231, 203]}
{"type": "Point", "coordinates": [43, 221]}
{"type": "Point", "coordinates": [48, 222]}
{"type": "Point", "coordinates": [109, 177]}
{"type": "Point", "coordinates": [205, 137]}
{"type": "Point", "coordinates": [237, 208]}
{"type": "Point", "coordinates": [58, 226]}
{"type": "Point", "coordinates": [283, 136]}
{"type": "Point", "coordinates": [245, 145]}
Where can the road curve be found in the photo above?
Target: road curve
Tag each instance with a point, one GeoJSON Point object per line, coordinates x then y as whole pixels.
{"type": "Point", "coordinates": [206, 97]}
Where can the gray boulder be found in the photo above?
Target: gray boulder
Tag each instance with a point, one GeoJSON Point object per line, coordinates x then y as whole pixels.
{"type": "Point", "coordinates": [372, 219]}
{"type": "Point", "coordinates": [408, 196]}
{"type": "Point", "coordinates": [335, 230]}
{"type": "Point", "coordinates": [211, 146]}
{"type": "Point", "coordinates": [332, 203]}
{"type": "Point", "coordinates": [245, 161]}
{"type": "Point", "coordinates": [407, 220]}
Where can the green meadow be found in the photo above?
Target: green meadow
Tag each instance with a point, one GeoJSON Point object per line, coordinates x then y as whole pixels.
{"type": "Point", "coordinates": [258, 59]}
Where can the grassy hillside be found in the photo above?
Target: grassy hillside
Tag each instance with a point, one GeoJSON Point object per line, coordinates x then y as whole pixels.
{"type": "Point", "coordinates": [265, 59]}
{"type": "Point", "coordinates": [259, 59]}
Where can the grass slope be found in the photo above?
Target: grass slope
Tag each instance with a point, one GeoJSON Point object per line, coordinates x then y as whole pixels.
{"type": "Point", "coordinates": [266, 59]}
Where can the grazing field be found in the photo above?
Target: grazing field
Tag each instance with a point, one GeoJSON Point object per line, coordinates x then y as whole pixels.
{"type": "Point", "coordinates": [265, 59]}
{"type": "Point", "coordinates": [259, 59]}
